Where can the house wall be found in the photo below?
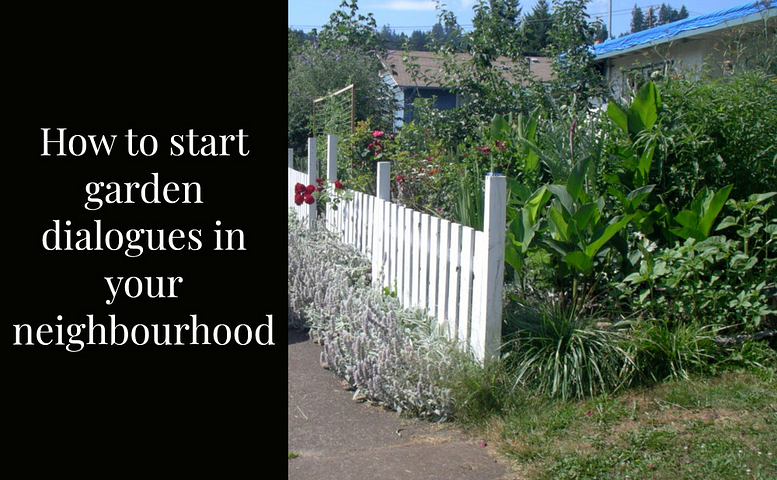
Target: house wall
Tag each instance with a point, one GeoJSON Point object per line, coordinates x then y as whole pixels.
{"type": "Point", "coordinates": [684, 57]}
{"type": "Point", "coordinates": [443, 99]}
{"type": "Point", "coordinates": [717, 52]}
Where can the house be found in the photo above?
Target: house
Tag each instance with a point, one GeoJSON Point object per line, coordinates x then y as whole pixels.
{"type": "Point", "coordinates": [682, 47]}
{"type": "Point", "coordinates": [418, 74]}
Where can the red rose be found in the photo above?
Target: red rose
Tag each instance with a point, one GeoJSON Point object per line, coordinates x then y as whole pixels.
{"type": "Point", "coordinates": [310, 189]}
{"type": "Point", "coordinates": [309, 199]}
{"type": "Point", "coordinates": [299, 189]}
{"type": "Point", "coordinates": [338, 185]}
{"type": "Point", "coordinates": [298, 199]}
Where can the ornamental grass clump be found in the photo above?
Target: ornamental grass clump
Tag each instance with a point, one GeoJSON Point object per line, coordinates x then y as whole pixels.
{"type": "Point", "coordinates": [561, 353]}
{"type": "Point", "coordinates": [387, 354]}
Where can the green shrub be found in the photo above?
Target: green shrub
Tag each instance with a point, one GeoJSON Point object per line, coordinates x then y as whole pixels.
{"type": "Point", "coordinates": [716, 280]}
{"type": "Point", "coordinates": [723, 133]}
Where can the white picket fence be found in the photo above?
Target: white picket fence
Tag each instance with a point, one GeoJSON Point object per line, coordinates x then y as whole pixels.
{"type": "Point", "coordinates": [452, 271]}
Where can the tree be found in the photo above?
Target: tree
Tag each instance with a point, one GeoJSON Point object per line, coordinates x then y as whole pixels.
{"type": "Point", "coordinates": [347, 28]}
{"type": "Point", "coordinates": [389, 39]}
{"type": "Point", "coordinates": [295, 44]}
{"type": "Point", "coordinates": [601, 33]}
{"type": "Point", "coordinates": [637, 19]}
{"type": "Point", "coordinates": [667, 14]}
{"type": "Point", "coordinates": [486, 85]}
{"type": "Point", "coordinates": [497, 30]}
{"type": "Point", "coordinates": [417, 40]}
{"type": "Point", "coordinates": [571, 38]}
{"type": "Point", "coordinates": [345, 52]}
{"type": "Point", "coordinates": [437, 34]}
{"type": "Point", "coordinates": [536, 26]}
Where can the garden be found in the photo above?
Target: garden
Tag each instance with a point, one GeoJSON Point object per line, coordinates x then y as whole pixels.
{"type": "Point", "coordinates": [640, 288]}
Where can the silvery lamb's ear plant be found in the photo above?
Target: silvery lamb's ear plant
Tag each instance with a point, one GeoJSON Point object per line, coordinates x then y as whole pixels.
{"type": "Point", "coordinates": [387, 354]}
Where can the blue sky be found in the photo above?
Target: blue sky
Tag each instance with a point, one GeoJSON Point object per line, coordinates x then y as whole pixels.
{"type": "Point", "coordinates": [409, 15]}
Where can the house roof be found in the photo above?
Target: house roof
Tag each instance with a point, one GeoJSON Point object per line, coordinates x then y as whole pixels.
{"type": "Point", "coordinates": [430, 67]}
{"type": "Point", "coordinates": [695, 26]}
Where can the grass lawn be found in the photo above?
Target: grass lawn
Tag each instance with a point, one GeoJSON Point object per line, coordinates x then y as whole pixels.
{"type": "Point", "coordinates": [721, 427]}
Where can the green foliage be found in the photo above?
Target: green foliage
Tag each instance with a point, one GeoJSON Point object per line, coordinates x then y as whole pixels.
{"type": "Point", "coordinates": [480, 78]}
{"type": "Point", "coordinates": [524, 222]}
{"type": "Point", "coordinates": [697, 221]}
{"type": "Point", "coordinates": [358, 154]}
{"type": "Point", "coordinates": [714, 280]}
{"type": "Point", "coordinates": [723, 133]}
{"type": "Point", "coordinates": [468, 207]}
{"type": "Point", "coordinates": [639, 123]}
{"type": "Point", "coordinates": [656, 208]}
{"type": "Point", "coordinates": [579, 226]}
{"type": "Point", "coordinates": [571, 37]}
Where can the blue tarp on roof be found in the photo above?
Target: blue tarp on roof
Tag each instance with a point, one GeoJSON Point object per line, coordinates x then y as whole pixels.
{"type": "Point", "coordinates": [675, 28]}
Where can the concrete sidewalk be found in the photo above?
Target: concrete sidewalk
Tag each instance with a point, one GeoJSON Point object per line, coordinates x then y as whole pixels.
{"type": "Point", "coordinates": [336, 437]}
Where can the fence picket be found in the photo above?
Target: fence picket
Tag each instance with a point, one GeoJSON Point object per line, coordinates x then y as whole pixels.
{"type": "Point", "coordinates": [453, 278]}
{"type": "Point", "coordinates": [434, 264]}
{"type": "Point", "coordinates": [407, 266]}
{"type": "Point", "coordinates": [377, 242]}
{"type": "Point", "coordinates": [423, 272]}
{"type": "Point", "coordinates": [394, 247]}
{"type": "Point", "coordinates": [443, 285]}
{"type": "Point", "coordinates": [400, 252]}
{"type": "Point", "coordinates": [416, 266]}
{"type": "Point", "coordinates": [465, 295]}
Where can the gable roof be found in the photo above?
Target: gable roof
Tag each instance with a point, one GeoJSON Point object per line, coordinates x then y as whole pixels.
{"type": "Point", "coordinates": [710, 22]}
{"type": "Point", "coordinates": [430, 66]}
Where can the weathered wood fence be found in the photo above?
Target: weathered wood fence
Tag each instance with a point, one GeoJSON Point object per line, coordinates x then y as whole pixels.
{"type": "Point", "coordinates": [452, 271]}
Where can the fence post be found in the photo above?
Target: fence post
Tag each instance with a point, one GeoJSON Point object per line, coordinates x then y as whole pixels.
{"type": "Point", "coordinates": [331, 158]}
{"type": "Point", "coordinates": [382, 188]}
{"type": "Point", "coordinates": [487, 337]}
{"type": "Point", "coordinates": [380, 233]}
{"type": "Point", "coordinates": [312, 174]}
{"type": "Point", "coordinates": [291, 158]}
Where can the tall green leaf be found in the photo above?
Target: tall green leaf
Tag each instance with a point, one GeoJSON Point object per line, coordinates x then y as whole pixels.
{"type": "Point", "coordinates": [603, 235]}
{"type": "Point", "coordinates": [705, 207]}
{"type": "Point", "coordinates": [618, 115]}
{"type": "Point", "coordinates": [644, 108]}
{"type": "Point", "coordinates": [712, 208]}
{"type": "Point", "coordinates": [577, 177]}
